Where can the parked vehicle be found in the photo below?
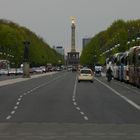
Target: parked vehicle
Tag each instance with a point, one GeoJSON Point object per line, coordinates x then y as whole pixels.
{"type": "Point", "coordinates": [19, 71]}
{"type": "Point", "coordinates": [3, 72]}
{"type": "Point", "coordinates": [4, 67]}
{"type": "Point", "coordinates": [118, 66]}
{"type": "Point", "coordinates": [125, 67]}
{"type": "Point", "coordinates": [49, 67]}
{"type": "Point", "coordinates": [36, 70]}
{"type": "Point", "coordinates": [98, 70]}
{"type": "Point", "coordinates": [43, 68]}
{"type": "Point", "coordinates": [134, 66]}
{"type": "Point", "coordinates": [12, 71]}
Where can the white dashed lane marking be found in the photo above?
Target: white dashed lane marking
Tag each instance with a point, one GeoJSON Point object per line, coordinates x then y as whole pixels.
{"type": "Point", "coordinates": [13, 112]}
{"type": "Point", "coordinates": [9, 117]}
{"type": "Point", "coordinates": [86, 118]}
{"type": "Point", "coordinates": [82, 113]}
{"type": "Point", "coordinates": [19, 99]}
{"type": "Point", "coordinates": [78, 108]}
{"type": "Point", "coordinates": [17, 103]}
{"type": "Point", "coordinates": [29, 92]}
{"type": "Point", "coordinates": [76, 104]}
{"type": "Point", "coordinates": [15, 107]}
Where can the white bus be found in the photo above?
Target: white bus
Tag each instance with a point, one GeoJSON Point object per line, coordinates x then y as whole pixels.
{"type": "Point", "coordinates": [4, 67]}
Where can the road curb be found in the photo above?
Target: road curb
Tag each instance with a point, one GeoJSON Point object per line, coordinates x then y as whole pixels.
{"type": "Point", "coordinates": [12, 81]}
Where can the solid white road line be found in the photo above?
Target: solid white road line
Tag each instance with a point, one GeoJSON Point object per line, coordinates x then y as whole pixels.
{"type": "Point", "coordinates": [123, 97]}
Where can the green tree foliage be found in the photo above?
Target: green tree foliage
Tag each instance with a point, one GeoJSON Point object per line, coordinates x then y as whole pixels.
{"type": "Point", "coordinates": [12, 37]}
{"type": "Point", "coordinates": [120, 32]}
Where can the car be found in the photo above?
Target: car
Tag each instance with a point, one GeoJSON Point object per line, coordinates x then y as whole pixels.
{"type": "Point", "coordinates": [74, 69]}
{"type": "Point", "coordinates": [58, 69]}
{"type": "Point", "coordinates": [3, 71]}
{"type": "Point", "coordinates": [37, 70]}
{"type": "Point", "coordinates": [19, 71]}
{"type": "Point", "coordinates": [85, 74]}
{"type": "Point", "coordinates": [12, 71]}
{"type": "Point", "coordinates": [43, 68]}
{"type": "Point", "coordinates": [98, 71]}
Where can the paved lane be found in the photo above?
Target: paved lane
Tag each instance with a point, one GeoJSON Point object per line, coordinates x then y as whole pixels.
{"type": "Point", "coordinates": [57, 107]}
{"type": "Point", "coordinates": [102, 105]}
{"type": "Point", "coordinates": [59, 98]}
{"type": "Point", "coordinates": [52, 102]}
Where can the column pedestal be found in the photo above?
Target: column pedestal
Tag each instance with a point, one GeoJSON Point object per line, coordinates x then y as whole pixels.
{"type": "Point", "coordinates": [26, 70]}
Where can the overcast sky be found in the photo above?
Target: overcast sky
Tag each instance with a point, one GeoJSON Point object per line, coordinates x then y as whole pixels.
{"type": "Point", "coordinates": [50, 19]}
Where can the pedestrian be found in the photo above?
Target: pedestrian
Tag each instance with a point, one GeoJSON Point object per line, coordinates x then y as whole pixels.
{"type": "Point", "coordinates": [109, 74]}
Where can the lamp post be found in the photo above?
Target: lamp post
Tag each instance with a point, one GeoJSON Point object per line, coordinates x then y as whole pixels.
{"type": "Point", "coordinates": [95, 59]}
{"type": "Point", "coordinates": [128, 44]}
{"type": "Point", "coordinates": [59, 62]}
{"type": "Point", "coordinates": [138, 40]}
{"type": "Point", "coordinates": [26, 66]}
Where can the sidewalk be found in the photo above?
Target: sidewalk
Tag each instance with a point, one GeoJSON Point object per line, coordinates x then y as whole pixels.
{"type": "Point", "coordinates": [16, 80]}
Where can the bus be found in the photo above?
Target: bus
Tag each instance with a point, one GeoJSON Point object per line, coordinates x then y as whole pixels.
{"type": "Point", "coordinates": [4, 67]}
{"type": "Point", "coordinates": [125, 67]}
{"type": "Point", "coordinates": [118, 66]}
{"type": "Point", "coordinates": [134, 65]}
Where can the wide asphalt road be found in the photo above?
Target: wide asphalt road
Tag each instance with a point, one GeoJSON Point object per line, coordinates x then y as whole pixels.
{"type": "Point", "coordinates": [58, 107]}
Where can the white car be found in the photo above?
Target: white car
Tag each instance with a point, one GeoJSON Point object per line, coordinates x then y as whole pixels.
{"type": "Point", "coordinates": [3, 71]}
{"type": "Point", "coordinates": [85, 74]}
{"type": "Point", "coordinates": [19, 71]}
{"type": "Point", "coordinates": [12, 71]}
{"type": "Point", "coordinates": [37, 70]}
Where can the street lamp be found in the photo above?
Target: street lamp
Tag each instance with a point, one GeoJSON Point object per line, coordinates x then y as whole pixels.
{"type": "Point", "coordinates": [118, 45]}
{"type": "Point", "coordinates": [59, 62]}
{"type": "Point", "coordinates": [95, 59]}
{"type": "Point", "coordinates": [128, 44]}
{"type": "Point", "coordinates": [138, 40]}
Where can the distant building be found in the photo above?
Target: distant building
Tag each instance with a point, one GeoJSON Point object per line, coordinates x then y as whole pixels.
{"type": "Point", "coordinates": [60, 50]}
{"type": "Point", "coordinates": [85, 41]}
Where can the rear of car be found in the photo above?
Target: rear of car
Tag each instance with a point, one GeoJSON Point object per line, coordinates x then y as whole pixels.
{"type": "Point", "coordinates": [85, 74]}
